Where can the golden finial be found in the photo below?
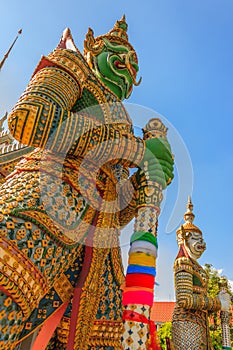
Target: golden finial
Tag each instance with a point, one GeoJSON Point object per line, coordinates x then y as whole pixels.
{"type": "Point", "coordinates": [123, 18]}
{"type": "Point", "coordinates": [190, 204]}
{"type": "Point", "coordinates": [9, 50]}
{"type": "Point", "coordinates": [188, 215]}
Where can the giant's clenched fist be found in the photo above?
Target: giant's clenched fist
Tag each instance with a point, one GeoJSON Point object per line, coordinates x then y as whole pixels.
{"type": "Point", "coordinates": [157, 164]}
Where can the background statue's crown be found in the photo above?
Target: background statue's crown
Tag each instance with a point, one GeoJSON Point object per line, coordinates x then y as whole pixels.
{"type": "Point", "coordinates": [188, 226]}
{"type": "Point", "coordinates": [116, 35]}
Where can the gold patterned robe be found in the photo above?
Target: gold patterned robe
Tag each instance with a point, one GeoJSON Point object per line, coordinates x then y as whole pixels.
{"type": "Point", "coordinates": [190, 325]}
{"type": "Point", "coordinates": [46, 223]}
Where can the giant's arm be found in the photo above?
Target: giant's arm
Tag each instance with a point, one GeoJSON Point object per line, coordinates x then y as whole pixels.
{"type": "Point", "coordinates": [186, 297]}
{"type": "Point", "coordinates": [44, 107]}
{"type": "Point", "coordinates": [42, 117]}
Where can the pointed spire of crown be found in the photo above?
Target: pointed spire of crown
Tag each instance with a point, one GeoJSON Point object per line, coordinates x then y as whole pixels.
{"type": "Point", "coordinates": [188, 215]}
{"type": "Point", "coordinates": [120, 29]}
{"type": "Point", "coordinates": [188, 226]}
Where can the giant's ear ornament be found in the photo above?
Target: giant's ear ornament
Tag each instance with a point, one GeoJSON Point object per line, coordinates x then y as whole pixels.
{"type": "Point", "coordinates": [91, 44]}
{"type": "Point", "coordinates": [184, 235]}
{"type": "Point", "coordinates": [181, 235]}
{"type": "Point", "coordinates": [67, 41]}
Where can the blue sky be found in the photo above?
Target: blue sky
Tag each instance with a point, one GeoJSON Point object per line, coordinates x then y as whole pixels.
{"type": "Point", "coordinates": [186, 61]}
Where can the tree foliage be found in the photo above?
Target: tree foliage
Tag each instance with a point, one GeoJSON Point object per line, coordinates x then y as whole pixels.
{"type": "Point", "coordinates": [164, 332]}
{"type": "Point", "coordinates": [214, 279]}
{"type": "Point", "coordinates": [213, 290]}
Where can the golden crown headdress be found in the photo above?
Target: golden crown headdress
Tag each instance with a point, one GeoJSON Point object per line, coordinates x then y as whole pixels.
{"type": "Point", "coordinates": [117, 35]}
{"type": "Point", "coordinates": [188, 226]}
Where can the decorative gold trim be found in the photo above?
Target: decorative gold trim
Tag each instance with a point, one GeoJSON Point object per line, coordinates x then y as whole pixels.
{"type": "Point", "coordinates": [29, 285]}
{"type": "Point", "coordinates": [63, 288]}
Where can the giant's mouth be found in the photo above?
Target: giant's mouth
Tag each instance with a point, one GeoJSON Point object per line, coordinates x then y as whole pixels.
{"type": "Point", "coordinates": [119, 65]}
{"type": "Point", "coordinates": [130, 67]}
{"type": "Point", "coordinates": [200, 246]}
{"type": "Point", "coordinates": [132, 71]}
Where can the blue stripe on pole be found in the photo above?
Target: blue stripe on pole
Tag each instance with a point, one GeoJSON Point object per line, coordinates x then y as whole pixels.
{"type": "Point", "coordinates": [141, 269]}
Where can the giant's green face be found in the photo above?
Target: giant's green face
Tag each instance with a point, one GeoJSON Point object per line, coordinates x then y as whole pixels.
{"type": "Point", "coordinates": [115, 67]}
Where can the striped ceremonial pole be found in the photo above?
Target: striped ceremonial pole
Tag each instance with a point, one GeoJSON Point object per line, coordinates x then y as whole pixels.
{"type": "Point", "coordinates": [138, 294]}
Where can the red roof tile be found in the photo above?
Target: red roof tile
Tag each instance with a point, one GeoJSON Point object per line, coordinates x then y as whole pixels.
{"type": "Point", "coordinates": [162, 311]}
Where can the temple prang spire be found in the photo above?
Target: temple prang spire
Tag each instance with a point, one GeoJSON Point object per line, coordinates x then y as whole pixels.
{"type": "Point", "coordinates": [9, 50]}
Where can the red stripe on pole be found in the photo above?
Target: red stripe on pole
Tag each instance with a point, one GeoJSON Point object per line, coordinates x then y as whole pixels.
{"type": "Point", "coordinates": [139, 280]}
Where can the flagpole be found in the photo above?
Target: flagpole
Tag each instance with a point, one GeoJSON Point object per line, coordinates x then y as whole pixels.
{"type": "Point", "coordinates": [9, 50]}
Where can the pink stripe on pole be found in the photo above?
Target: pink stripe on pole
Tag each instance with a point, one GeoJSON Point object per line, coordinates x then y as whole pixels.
{"type": "Point", "coordinates": [138, 297]}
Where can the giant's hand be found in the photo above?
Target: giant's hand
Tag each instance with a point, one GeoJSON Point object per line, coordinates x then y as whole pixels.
{"type": "Point", "coordinates": [157, 164]}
